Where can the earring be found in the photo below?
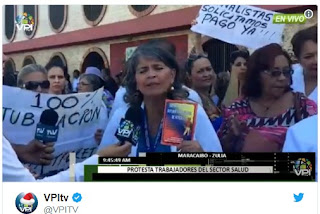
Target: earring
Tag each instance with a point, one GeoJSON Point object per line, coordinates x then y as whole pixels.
{"type": "Point", "coordinates": [172, 88]}
{"type": "Point", "coordinates": [137, 93]}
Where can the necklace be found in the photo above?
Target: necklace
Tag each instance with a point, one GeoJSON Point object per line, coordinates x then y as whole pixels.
{"type": "Point", "coordinates": [209, 105]}
{"type": "Point", "coordinates": [267, 107]}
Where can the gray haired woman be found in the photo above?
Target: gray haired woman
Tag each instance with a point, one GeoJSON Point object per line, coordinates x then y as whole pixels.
{"type": "Point", "coordinates": [33, 77]}
{"type": "Point", "coordinates": [152, 77]}
{"type": "Point", "coordinates": [89, 83]}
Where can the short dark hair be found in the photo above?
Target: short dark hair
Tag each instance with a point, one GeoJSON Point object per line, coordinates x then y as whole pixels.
{"type": "Point", "coordinates": [135, 98]}
{"type": "Point", "coordinates": [222, 83]}
{"type": "Point", "coordinates": [163, 44]}
{"type": "Point", "coordinates": [238, 53]}
{"type": "Point", "coordinates": [52, 64]}
{"type": "Point", "coordinates": [76, 71]}
{"type": "Point", "coordinates": [301, 37]}
{"type": "Point", "coordinates": [262, 59]}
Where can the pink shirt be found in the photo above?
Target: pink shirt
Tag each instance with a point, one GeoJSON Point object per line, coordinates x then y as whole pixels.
{"type": "Point", "coordinates": [272, 128]}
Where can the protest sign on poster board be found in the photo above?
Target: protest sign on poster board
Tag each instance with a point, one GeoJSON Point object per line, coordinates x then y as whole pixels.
{"type": "Point", "coordinates": [239, 24]}
{"type": "Point", "coordinates": [80, 115]}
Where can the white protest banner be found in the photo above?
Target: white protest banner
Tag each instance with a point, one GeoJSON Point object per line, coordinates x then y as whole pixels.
{"type": "Point", "coordinates": [80, 115]}
{"type": "Point", "coordinates": [239, 24]}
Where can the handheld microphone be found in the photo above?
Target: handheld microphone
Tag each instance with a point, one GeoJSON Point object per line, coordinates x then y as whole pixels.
{"type": "Point", "coordinates": [46, 130]}
{"type": "Point", "coordinates": [129, 129]}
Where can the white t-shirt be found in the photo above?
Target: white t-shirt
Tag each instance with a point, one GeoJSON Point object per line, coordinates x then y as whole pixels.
{"type": "Point", "coordinates": [204, 132]}
{"type": "Point", "coordinates": [119, 101]}
{"type": "Point", "coordinates": [303, 136]}
{"type": "Point", "coordinates": [14, 171]}
{"type": "Point", "coordinates": [298, 84]}
{"type": "Point", "coordinates": [75, 82]}
{"type": "Point", "coordinates": [193, 95]}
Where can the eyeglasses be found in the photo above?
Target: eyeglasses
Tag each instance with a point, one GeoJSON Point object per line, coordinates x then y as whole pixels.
{"type": "Point", "coordinates": [277, 73]}
{"type": "Point", "coordinates": [32, 85]}
{"type": "Point", "coordinates": [83, 84]}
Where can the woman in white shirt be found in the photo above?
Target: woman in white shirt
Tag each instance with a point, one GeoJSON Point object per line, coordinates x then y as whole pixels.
{"type": "Point", "coordinates": [305, 75]}
{"type": "Point", "coordinates": [167, 46]}
{"type": "Point", "coordinates": [152, 77]}
{"type": "Point", "coordinates": [303, 136]}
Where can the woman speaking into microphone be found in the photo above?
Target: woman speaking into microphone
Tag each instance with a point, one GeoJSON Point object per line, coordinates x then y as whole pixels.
{"type": "Point", "coordinates": [152, 77]}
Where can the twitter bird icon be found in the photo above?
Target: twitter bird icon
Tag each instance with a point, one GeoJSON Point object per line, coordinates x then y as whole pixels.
{"type": "Point", "coordinates": [298, 198]}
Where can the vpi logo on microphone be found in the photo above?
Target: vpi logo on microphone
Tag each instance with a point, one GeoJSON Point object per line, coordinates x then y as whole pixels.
{"type": "Point", "coordinates": [302, 167]}
{"type": "Point", "coordinates": [126, 128]}
{"type": "Point", "coordinates": [25, 22]}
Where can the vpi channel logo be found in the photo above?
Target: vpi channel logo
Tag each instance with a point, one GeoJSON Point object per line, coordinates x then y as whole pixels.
{"type": "Point", "coordinates": [26, 203]}
{"type": "Point", "coordinates": [302, 167]}
{"type": "Point", "coordinates": [25, 22]}
{"type": "Point", "coordinates": [126, 128]}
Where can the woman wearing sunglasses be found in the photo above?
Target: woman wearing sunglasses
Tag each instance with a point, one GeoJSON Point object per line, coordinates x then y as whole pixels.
{"type": "Point", "coordinates": [258, 122]}
{"type": "Point", "coordinates": [34, 78]}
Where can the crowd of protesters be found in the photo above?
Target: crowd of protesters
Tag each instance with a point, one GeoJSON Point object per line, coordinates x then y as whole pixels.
{"type": "Point", "coordinates": [249, 108]}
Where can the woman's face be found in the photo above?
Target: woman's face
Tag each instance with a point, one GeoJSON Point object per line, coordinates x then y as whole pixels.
{"type": "Point", "coordinates": [275, 83]}
{"type": "Point", "coordinates": [57, 80]}
{"type": "Point", "coordinates": [37, 82]}
{"type": "Point", "coordinates": [153, 77]}
{"type": "Point", "coordinates": [240, 67]}
{"type": "Point", "coordinates": [202, 74]}
{"type": "Point", "coordinates": [309, 58]}
{"type": "Point", "coordinates": [84, 85]}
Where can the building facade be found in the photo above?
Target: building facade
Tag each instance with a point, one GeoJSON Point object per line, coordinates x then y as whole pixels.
{"type": "Point", "coordinates": [104, 35]}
